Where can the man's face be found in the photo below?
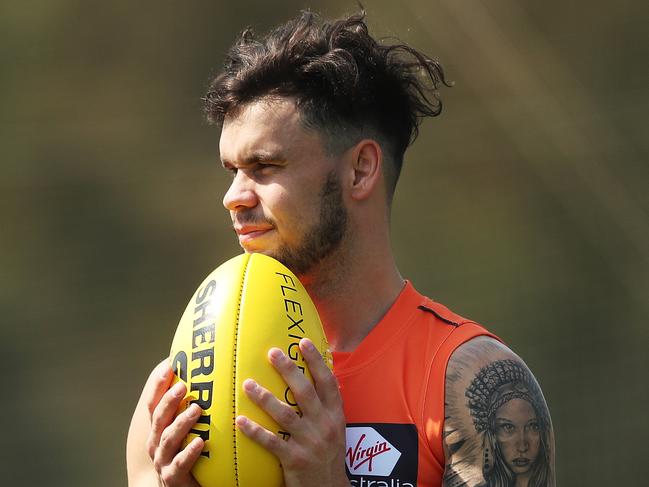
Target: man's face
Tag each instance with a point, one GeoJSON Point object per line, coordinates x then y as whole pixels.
{"type": "Point", "coordinates": [285, 199]}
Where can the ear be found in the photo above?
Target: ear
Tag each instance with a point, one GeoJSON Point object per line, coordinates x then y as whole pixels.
{"type": "Point", "coordinates": [367, 165]}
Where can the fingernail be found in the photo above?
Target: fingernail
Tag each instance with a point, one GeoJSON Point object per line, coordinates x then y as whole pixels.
{"type": "Point", "coordinates": [241, 421]}
{"type": "Point", "coordinates": [250, 385]}
{"type": "Point", "coordinates": [196, 443]}
{"type": "Point", "coordinates": [178, 389]}
{"type": "Point", "coordinates": [194, 410]}
{"type": "Point", "coordinates": [308, 344]}
{"type": "Point", "coordinates": [276, 354]}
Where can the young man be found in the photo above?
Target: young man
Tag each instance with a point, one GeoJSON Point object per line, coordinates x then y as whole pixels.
{"type": "Point", "coordinates": [315, 120]}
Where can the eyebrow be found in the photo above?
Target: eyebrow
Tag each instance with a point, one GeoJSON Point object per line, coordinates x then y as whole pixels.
{"type": "Point", "coordinates": [256, 157]}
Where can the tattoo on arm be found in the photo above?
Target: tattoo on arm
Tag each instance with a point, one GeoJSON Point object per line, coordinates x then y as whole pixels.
{"type": "Point", "coordinates": [497, 431]}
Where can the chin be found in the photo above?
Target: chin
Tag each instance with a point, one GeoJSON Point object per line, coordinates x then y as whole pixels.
{"type": "Point", "coordinates": [520, 470]}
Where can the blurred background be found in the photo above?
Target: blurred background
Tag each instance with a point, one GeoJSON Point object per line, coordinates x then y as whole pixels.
{"type": "Point", "coordinates": [524, 206]}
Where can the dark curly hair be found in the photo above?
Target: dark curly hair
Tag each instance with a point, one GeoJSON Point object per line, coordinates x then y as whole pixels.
{"type": "Point", "coordinates": [346, 84]}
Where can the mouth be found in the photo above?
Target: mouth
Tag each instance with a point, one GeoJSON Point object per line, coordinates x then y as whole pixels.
{"type": "Point", "coordinates": [247, 234]}
{"type": "Point", "coordinates": [522, 462]}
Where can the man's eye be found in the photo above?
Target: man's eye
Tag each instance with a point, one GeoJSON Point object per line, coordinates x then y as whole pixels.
{"type": "Point", "coordinates": [265, 167]}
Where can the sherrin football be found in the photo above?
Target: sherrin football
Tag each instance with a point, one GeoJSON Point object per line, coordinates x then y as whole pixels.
{"type": "Point", "coordinates": [245, 307]}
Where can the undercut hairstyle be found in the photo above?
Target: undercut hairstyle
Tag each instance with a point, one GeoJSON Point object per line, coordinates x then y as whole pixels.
{"type": "Point", "coordinates": [346, 85]}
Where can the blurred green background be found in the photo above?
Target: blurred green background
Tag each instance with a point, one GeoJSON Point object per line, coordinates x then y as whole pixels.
{"type": "Point", "coordinates": [524, 206]}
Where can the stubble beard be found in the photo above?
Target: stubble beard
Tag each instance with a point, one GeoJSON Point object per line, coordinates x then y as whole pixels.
{"type": "Point", "coordinates": [325, 235]}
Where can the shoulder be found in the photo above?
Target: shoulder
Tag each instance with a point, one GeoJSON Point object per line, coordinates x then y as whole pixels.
{"type": "Point", "coordinates": [497, 425]}
{"type": "Point", "coordinates": [456, 336]}
{"type": "Point", "coordinates": [478, 352]}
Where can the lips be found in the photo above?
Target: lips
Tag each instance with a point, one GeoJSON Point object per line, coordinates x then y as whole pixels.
{"type": "Point", "coordinates": [248, 233]}
{"type": "Point", "coordinates": [521, 462]}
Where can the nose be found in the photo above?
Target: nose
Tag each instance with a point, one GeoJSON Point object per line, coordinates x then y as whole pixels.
{"type": "Point", "coordinates": [241, 193]}
{"type": "Point", "coordinates": [522, 442]}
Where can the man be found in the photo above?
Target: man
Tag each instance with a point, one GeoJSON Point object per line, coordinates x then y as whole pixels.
{"type": "Point", "coordinates": [315, 120]}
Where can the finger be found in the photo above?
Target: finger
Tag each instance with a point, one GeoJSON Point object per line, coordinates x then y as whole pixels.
{"type": "Point", "coordinates": [173, 436]}
{"type": "Point", "coordinates": [326, 384]}
{"type": "Point", "coordinates": [262, 436]}
{"type": "Point", "coordinates": [163, 415]}
{"type": "Point", "coordinates": [186, 458]}
{"type": "Point", "coordinates": [282, 413]}
{"type": "Point", "coordinates": [157, 384]}
{"type": "Point", "coordinates": [303, 391]}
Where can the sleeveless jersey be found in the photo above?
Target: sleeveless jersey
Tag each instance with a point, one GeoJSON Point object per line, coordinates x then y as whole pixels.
{"type": "Point", "coordinates": [392, 387]}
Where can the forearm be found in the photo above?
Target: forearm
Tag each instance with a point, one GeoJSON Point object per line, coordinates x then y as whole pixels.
{"type": "Point", "coordinates": [139, 466]}
{"type": "Point", "coordinates": [143, 479]}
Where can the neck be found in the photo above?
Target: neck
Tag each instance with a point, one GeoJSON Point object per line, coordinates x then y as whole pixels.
{"type": "Point", "coordinates": [353, 294]}
{"type": "Point", "coordinates": [522, 480]}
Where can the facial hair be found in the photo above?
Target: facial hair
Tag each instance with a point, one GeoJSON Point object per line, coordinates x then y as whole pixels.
{"type": "Point", "coordinates": [324, 236]}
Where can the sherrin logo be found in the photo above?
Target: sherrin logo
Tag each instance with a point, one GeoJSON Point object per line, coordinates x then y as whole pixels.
{"type": "Point", "coordinates": [369, 453]}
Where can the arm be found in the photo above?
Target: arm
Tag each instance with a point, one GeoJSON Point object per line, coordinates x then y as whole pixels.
{"type": "Point", "coordinates": [497, 428]}
{"type": "Point", "coordinates": [153, 449]}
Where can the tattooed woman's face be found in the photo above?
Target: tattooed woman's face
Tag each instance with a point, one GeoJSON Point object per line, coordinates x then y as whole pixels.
{"type": "Point", "coordinates": [518, 435]}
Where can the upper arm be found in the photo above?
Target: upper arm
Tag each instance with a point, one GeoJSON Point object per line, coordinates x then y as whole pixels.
{"type": "Point", "coordinates": [497, 427]}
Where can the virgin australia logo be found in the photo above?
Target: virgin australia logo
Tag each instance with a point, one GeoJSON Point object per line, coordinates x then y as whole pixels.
{"type": "Point", "coordinates": [368, 453]}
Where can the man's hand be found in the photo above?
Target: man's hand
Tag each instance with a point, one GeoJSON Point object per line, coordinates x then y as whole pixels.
{"type": "Point", "coordinates": [314, 454]}
{"type": "Point", "coordinates": [156, 435]}
{"type": "Point", "coordinates": [167, 434]}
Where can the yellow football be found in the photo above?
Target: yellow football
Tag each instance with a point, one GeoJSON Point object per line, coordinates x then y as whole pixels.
{"type": "Point", "coordinates": [245, 307]}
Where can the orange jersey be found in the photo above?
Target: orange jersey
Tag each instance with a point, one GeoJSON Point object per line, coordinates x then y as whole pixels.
{"type": "Point", "coordinates": [393, 391]}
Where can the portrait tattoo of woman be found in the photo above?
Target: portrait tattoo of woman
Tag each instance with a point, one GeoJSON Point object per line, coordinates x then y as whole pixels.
{"type": "Point", "coordinates": [498, 431]}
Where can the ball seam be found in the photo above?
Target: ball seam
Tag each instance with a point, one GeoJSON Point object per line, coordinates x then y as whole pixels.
{"type": "Point", "coordinates": [234, 373]}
